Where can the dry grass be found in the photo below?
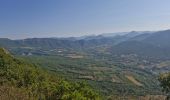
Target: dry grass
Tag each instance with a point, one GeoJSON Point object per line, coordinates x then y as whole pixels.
{"type": "Point", "coordinates": [74, 56]}
{"type": "Point", "coordinates": [100, 68]}
{"type": "Point", "coordinates": [147, 97]}
{"type": "Point", "coordinates": [12, 93]}
{"type": "Point", "coordinates": [115, 79]}
{"type": "Point", "coordinates": [87, 77]}
{"type": "Point", "coordinates": [133, 80]}
{"type": "Point", "coordinates": [163, 64]}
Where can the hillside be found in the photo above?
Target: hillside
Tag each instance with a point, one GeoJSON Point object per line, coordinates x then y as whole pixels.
{"type": "Point", "coordinates": [141, 49]}
{"type": "Point", "coordinates": [152, 45]}
{"type": "Point", "coordinates": [23, 81]}
{"type": "Point", "coordinates": [160, 39]}
{"type": "Point", "coordinates": [118, 65]}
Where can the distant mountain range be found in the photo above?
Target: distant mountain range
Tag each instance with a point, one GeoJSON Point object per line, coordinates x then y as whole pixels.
{"type": "Point", "coordinates": [155, 44]}
{"type": "Point", "coordinates": [140, 43]}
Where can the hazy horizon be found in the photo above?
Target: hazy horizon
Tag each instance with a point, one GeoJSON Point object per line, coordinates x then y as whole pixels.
{"type": "Point", "coordinates": [62, 18]}
{"type": "Point", "coordinates": [26, 36]}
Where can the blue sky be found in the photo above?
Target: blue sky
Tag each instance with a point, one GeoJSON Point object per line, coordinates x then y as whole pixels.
{"type": "Point", "coordinates": [60, 18]}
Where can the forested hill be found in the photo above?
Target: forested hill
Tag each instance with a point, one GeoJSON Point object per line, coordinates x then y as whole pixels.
{"type": "Point", "coordinates": [23, 81]}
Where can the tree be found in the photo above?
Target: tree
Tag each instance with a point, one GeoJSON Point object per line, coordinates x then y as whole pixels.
{"type": "Point", "coordinates": [164, 80]}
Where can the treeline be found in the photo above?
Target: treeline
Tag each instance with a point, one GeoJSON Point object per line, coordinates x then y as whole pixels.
{"type": "Point", "coordinates": [22, 81]}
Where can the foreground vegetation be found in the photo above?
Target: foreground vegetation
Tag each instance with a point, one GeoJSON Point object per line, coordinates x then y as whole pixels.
{"type": "Point", "coordinates": [165, 83]}
{"type": "Point", "coordinates": [20, 80]}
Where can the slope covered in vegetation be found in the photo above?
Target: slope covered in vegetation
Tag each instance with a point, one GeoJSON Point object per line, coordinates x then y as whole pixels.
{"type": "Point", "coordinates": [22, 81]}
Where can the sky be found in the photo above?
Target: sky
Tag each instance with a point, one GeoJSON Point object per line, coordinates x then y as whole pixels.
{"type": "Point", "coordinates": [69, 18]}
